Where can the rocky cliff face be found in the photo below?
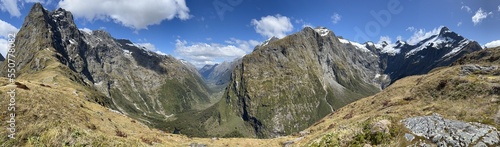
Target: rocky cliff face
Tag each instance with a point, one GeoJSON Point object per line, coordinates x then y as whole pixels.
{"type": "Point", "coordinates": [140, 83]}
{"type": "Point", "coordinates": [287, 84]}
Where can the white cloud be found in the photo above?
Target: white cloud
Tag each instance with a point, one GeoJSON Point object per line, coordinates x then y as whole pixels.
{"type": "Point", "coordinates": [499, 8]}
{"type": "Point", "coordinates": [201, 54]}
{"type": "Point", "coordinates": [480, 16]}
{"type": "Point", "coordinates": [4, 47]}
{"type": "Point", "coordinates": [130, 13]}
{"type": "Point", "coordinates": [459, 24]}
{"type": "Point", "coordinates": [386, 39]}
{"type": "Point", "coordinates": [421, 34]}
{"type": "Point", "coordinates": [411, 29]}
{"type": "Point", "coordinates": [148, 46]}
{"type": "Point", "coordinates": [5, 29]}
{"type": "Point", "coordinates": [492, 44]}
{"type": "Point", "coordinates": [270, 26]}
{"type": "Point", "coordinates": [336, 18]}
{"type": "Point", "coordinates": [466, 8]}
{"type": "Point", "coordinates": [12, 6]}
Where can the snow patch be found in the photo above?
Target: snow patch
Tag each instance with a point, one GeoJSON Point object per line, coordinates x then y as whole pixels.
{"type": "Point", "coordinates": [127, 52]}
{"type": "Point", "coordinates": [434, 42]}
{"type": "Point", "coordinates": [322, 31]}
{"type": "Point", "coordinates": [463, 43]}
{"type": "Point", "coordinates": [72, 41]}
{"type": "Point", "coordinates": [390, 49]}
{"type": "Point", "coordinates": [86, 30]}
{"type": "Point", "coordinates": [355, 44]}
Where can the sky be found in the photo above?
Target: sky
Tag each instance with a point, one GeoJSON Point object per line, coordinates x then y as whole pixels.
{"type": "Point", "coordinates": [211, 31]}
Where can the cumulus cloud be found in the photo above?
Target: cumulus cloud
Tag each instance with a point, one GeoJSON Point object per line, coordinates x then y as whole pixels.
{"type": "Point", "coordinates": [201, 54]}
{"type": "Point", "coordinates": [5, 29]}
{"type": "Point", "coordinates": [130, 13]}
{"type": "Point", "coordinates": [480, 16]}
{"type": "Point", "coordinates": [336, 18]}
{"type": "Point", "coordinates": [498, 8]}
{"type": "Point", "coordinates": [421, 34]}
{"type": "Point", "coordinates": [270, 26]}
{"type": "Point", "coordinates": [12, 6]}
{"type": "Point", "coordinates": [492, 44]}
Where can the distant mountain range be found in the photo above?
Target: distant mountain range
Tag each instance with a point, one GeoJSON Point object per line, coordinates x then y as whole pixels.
{"type": "Point", "coordinates": [284, 86]}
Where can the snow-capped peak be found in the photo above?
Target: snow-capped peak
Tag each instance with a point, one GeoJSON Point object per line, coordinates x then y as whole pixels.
{"type": "Point", "coordinates": [391, 49]}
{"type": "Point", "coordinates": [439, 39]}
{"type": "Point", "coordinates": [355, 44]}
{"type": "Point", "coordinates": [322, 31]}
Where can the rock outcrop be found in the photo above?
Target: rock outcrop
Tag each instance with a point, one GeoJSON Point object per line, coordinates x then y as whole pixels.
{"type": "Point", "coordinates": [446, 132]}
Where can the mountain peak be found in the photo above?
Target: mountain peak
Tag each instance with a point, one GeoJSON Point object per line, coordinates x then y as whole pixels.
{"type": "Point", "coordinates": [37, 7]}
{"type": "Point", "coordinates": [444, 30]}
{"type": "Point", "coordinates": [323, 31]}
{"type": "Point", "coordinates": [36, 12]}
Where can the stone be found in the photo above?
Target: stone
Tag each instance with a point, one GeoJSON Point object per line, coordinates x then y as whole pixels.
{"type": "Point", "coordinates": [304, 133]}
{"type": "Point", "coordinates": [480, 144]}
{"type": "Point", "coordinates": [474, 68]}
{"type": "Point", "coordinates": [409, 137]}
{"type": "Point", "coordinates": [197, 145]}
{"type": "Point", "coordinates": [448, 132]}
{"type": "Point", "coordinates": [381, 126]}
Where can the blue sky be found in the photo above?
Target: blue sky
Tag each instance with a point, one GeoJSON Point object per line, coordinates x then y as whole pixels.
{"type": "Point", "coordinates": [210, 31]}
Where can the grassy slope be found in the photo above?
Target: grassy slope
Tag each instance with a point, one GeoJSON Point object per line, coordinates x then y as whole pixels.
{"type": "Point", "coordinates": [444, 91]}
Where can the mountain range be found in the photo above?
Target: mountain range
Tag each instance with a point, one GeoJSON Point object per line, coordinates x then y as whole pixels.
{"type": "Point", "coordinates": [131, 79]}
{"type": "Point", "coordinates": [283, 87]}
